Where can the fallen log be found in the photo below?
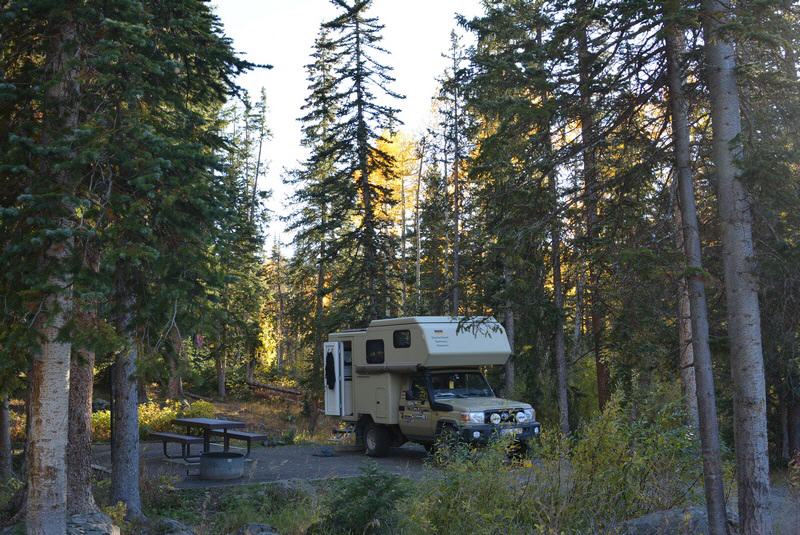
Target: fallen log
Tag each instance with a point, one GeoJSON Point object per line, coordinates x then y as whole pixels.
{"type": "Point", "coordinates": [265, 390]}
{"type": "Point", "coordinates": [196, 396]}
{"type": "Point", "coordinates": [282, 390]}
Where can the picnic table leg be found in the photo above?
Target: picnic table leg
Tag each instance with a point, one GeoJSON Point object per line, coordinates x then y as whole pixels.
{"type": "Point", "coordinates": [206, 440]}
{"type": "Point", "coordinates": [226, 442]}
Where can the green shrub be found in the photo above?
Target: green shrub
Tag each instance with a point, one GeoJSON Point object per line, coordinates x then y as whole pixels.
{"type": "Point", "coordinates": [152, 417]}
{"type": "Point", "coordinates": [619, 466]}
{"type": "Point", "coordinates": [366, 504]}
{"type": "Point", "coordinates": [199, 409]}
{"type": "Point", "coordinates": [476, 492]}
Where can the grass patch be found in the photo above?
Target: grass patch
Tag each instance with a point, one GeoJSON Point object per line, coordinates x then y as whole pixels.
{"type": "Point", "coordinates": [223, 510]}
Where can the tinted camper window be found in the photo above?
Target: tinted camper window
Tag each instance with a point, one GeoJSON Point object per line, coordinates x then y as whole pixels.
{"type": "Point", "coordinates": [374, 351]}
{"type": "Point", "coordinates": [348, 351]}
{"type": "Point", "coordinates": [402, 338]}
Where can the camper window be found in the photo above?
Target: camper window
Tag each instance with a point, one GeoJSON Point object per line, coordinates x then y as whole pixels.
{"type": "Point", "coordinates": [402, 339]}
{"type": "Point", "coordinates": [374, 351]}
{"type": "Point", "coordinates": [347, 345]}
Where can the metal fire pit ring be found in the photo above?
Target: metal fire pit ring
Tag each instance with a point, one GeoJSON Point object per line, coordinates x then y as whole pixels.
{"type": "Point", "coordinates": [221, 465]}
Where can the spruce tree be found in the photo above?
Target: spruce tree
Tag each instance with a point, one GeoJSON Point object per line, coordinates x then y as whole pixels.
{"type": "Point", "coordinates": [359, 80]}
{"type": "Point", "coordinates": [322, 196]}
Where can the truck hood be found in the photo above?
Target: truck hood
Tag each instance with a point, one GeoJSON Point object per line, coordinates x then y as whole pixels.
{"type": "Point", "coordinates": [482, 404]}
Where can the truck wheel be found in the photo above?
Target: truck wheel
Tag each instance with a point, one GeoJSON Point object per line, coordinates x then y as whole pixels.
{"type": "Point", "coordinates": [377, 440]}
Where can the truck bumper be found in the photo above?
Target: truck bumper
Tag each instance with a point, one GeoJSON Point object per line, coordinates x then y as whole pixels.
{"type": "Point", "coordinates": [482, 433]}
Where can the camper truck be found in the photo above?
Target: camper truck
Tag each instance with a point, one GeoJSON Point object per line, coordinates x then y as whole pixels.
{"type": "Point", "coordinates": [419, 379]}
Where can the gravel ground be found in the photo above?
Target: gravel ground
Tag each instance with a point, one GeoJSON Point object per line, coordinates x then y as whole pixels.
{"type": "Point", "coordinates": [278, 463]}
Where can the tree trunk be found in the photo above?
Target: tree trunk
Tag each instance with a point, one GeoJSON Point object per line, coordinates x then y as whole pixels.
{"type": "Point", "coordinates": [6, 452]}
{"type": "Point", "coordinates": [559, 342]}
{"type": "Point", "coordinates": [698, 309]}
{"type": "Point", "coordinates": [79, 449]}
{"type": "Point", "coordinates": [684, 314]}
{"type": "Point", "coordinates": [559, 346]}
{"type": "Point", "coordinates": [49, 378]}
{"type": "Point", "coordinates": [403, 266]}
{"type": "Point", "coordinates": [417, 228]}
{"type": "Point", "coordinates": [509, 324]}
{"type": "Point", "coordinates": [175, 385]}
{"type": "Point", "coordinates": [576, 329]}
{"type": "Point", "coordinates": [741, 284]}
{"type": "Point", "coordinates": [281, 347]}
{"type": "Point", "coordinates": [783, 414]}
{"type": "Point", "coordinates": [262, 134]}
{"type": "Point", "coordinates": [125, 422]}
{"type": "Point", "coordinates": [221, 372]}
{"type": "Point", "coordinates": [319, 315]}
{"type": "Point", "coordinates": [793, 426]}
{"type": "Point", "coordinates": [362, 140]}
{"type": "Point", "coordinates": [590, 191]}
{"type": "Point", "coordinates": [457, 201]}
{"type": "Point", "coordinates": [686, 352]}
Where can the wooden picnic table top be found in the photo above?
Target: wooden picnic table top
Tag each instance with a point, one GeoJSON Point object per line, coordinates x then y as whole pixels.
{"type": "Point", "coordinates": [211, 423]}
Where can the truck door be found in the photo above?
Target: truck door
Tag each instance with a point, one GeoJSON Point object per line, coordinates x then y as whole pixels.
{"type": "Point", "coordinates": [415, 414]}
{"type": "Point", "coordinates": [333, 359]}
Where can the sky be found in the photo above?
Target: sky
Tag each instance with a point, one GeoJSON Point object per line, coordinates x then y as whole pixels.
{"type": "Point", "coordinates": [281, 32]}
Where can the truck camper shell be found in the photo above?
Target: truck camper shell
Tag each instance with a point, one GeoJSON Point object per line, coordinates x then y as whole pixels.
{"type": "Point", "coordinates": [438, 342]}
{"type": "Point", "coordinates": [366, 369]}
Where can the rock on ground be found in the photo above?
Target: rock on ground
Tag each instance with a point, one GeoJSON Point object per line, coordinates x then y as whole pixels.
{"type": "Point", "coordinates": [680, 521]}
{"type": "Point", "coordinates": [257, 529]}
{"type": "Point", "coordinates": [91, 524]}
{"type": "Point", "coordinates": [168, 526]}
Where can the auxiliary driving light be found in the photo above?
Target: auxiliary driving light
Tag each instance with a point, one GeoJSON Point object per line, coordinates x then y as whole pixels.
{"type": "Point", "coordinates": [495, 418]}
{"type": "Point", "coordinates": [476, 434]}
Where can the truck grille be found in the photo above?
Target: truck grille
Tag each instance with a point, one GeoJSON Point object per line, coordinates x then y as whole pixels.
{"type": "Point", "coordinates": [507, 416]}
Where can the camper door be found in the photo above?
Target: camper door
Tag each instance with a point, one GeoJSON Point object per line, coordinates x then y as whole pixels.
{"type": "Point", "coordinates": [333, 358]}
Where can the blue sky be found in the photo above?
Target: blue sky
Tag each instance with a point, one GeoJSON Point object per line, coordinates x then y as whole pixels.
{"type": "Point", "coordinates": [281, 32]}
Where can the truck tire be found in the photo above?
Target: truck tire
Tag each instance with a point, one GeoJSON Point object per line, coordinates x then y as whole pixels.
{"type": "Point", "coordinates": [377, 440]}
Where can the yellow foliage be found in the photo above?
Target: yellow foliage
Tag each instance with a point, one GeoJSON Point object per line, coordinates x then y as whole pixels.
{"type": "Point", "coordinates": [152, 417]}
{"type": "Point", "coordinates": [403, 185]}
{"type": "Point", "coordinates": [117, 514]}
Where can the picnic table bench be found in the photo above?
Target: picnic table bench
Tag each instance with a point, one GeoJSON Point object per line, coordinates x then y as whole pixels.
{"type": "Point", "coordinates": [185, 441]}
{"type": "Point", "coordinates": [245, 436]}
{"type": "Point", "coordinates": [227, 429]}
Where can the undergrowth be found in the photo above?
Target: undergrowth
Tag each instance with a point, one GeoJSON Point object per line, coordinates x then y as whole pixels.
{"type": "Point", "coordinates": [153, 416]}
{"type": "Point", "coordinates": [634, 459]}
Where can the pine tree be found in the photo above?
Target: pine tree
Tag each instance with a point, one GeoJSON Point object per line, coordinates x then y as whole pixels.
{"type": "Point", "coordinates": [692, 284]}
{"type": "Point", "coordinates": [741, 283]}
{"type": "Point", "coordinates": [454, 124]}
{"type": "Point", "coordinates": [361, 121]}
{"type": "Point", "coordinates": [322, 195]}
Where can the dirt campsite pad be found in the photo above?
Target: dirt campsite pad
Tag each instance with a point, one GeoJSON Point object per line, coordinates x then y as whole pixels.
{"type": "Point", "coordinates": [279, 463]}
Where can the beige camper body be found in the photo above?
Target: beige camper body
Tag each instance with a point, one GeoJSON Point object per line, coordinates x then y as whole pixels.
{"type": "Point", "coordinates": [410, 344]}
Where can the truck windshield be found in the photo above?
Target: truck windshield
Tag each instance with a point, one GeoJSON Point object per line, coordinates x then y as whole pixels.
{"type": "Point", "coordinates": [460, 385]}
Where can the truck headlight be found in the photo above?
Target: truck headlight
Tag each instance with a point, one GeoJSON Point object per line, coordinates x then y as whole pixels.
{"type": "Point", "coordinates": [472, 417]}
{"type": "Point", "coordinates": [530, 415]}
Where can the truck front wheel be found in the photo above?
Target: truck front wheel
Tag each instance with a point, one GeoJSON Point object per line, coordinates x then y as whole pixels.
{"type": "Point", "coordinates": [377, 440]}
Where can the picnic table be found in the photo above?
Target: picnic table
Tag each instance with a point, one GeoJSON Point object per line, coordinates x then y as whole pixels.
{"type": "Point", "coordinates": [208, 425]}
